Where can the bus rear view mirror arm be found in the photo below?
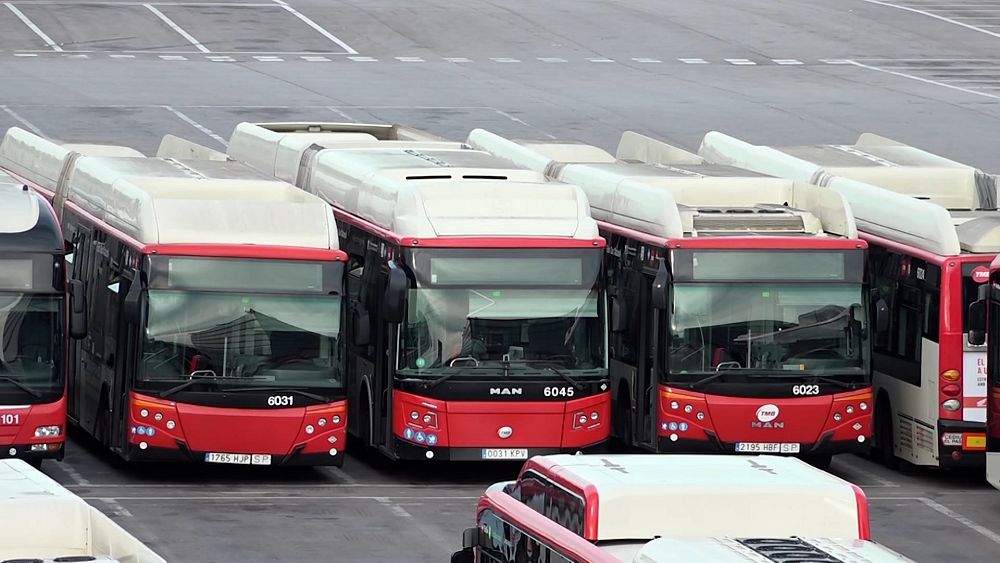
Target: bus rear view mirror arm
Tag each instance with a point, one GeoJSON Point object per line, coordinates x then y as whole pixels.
{"type": "Point", "coordinates": [881, 315]}
{"type": "Point", "coordinates": [394, 304]}
{"type": "Point", "coordinates": [661, 287]}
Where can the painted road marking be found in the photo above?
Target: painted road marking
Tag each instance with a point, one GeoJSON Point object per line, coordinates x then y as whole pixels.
{"type": "Point", "coordinates": [183, 117]}
{"type": "Point", "coordinates": [178, 29]}
{"type": "Point", "coordinates": [745, 62]}
{"type": "Point", "coordinates": [347, 48]}
{"type": "Point", "coordinates": [34, 28]}
{"type": "Point", "coordinates": [942, 509]}
{"type": "Point", "coordinates": [925, 80]}
{"type": "Point", "coordinates": [933, 15]}
{"type": "Point", "coordinates": [693, 61]}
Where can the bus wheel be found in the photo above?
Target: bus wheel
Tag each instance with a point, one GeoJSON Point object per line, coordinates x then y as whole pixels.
{"type": "Point", "coordinates": [884, 451]}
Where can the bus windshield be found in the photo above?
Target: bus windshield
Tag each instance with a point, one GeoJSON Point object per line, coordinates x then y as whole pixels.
{"type": "Point", "coordinates": [241, 339]}
{"type": "Point", "coordinates": [31, 347]}
{"type": "Point", "coordinates": [480, 310]}
{"type": "Point", "coordinates": [781, 329]}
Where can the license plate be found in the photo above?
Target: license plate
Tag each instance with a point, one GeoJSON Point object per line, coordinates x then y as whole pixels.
{"type": "Point", "coordinates": [767, 448]}
{"type": "Point", "coordinates": [505, 453]}
{"type": "Point", "coordinates": [239, 459]}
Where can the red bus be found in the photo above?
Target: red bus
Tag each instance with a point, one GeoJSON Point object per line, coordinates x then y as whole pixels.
{"type": "Point", "coordinates": [477, 306]}
{"type": "Point", "coordinates": [932, 228]}
{"type": "Point", "coordinates": [214, 298]}
{"type": "Point", "coordinates": [739, 318]}
{"type": "Point", "coordinates": [34, 325]}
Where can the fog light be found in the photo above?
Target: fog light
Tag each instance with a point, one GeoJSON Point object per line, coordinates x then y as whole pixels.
{"type": "Point", "coordinates": [47, 431]}
{"type": "Point", "coordinates": [429, 454]}
{"type": "Point", "coordinates": [673, 437]}
{"type": "Point", "coordinates": [310, 429]}
{"type": "Point", "coordinates": [144, 413]}
{"type": "Point", "coordinates": [333, 451]}
{"type": "Point", "coordinates": [321, 422]}
{"type": "Point", "coordinates": [336, 419]}
{"type": "Point", "coordinates": [12, 451]}
{"type": "Point", "coordinates": [951, 405]}
{"type": "Point", "coordinates": [674, 405]}
{"type": "Point", "coordinates": [414, 415]}
{"type": "Point", "coordinates": [849, 409]}
{"type": "Point", "coordinates": [688, 408]}
{"type": "Point", "coordinates": [861, 439]}
{"type": "Point", "coordinates": [171, 425]}
{"type": "Point", "coordinates": [143, 445]}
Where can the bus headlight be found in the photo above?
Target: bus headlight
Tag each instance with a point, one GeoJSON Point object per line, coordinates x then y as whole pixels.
{"type": "Point", "coordinates": [47, 431]}
{"type": "Point", "coordinates": [951, 405]}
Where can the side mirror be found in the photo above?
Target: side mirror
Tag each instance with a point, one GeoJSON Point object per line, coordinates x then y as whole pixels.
{"type": "Point", "coordinates": [977, 322]}
{"type": "Point", "coordinates": [661, 287]}
{"type": "Point", "coordinates": [362, 327]}
{"type": "Point", "coordinates": [617, 315]}
{"type": "Point", "coordinates": [470, 541]}
{"type": "Point", "coordinates": [881, 315]}
{"type": "Point", "coordinates": [132, 306]}
{"type": "Point", "coordinates": [77, 310]}
{"type": "Point", "coordinates": [394, 301]}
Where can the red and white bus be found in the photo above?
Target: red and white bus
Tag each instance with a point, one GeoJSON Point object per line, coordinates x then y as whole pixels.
{"type": "Point", "coordinates": [615, 505]}
{"type": "Point", "coordinates": [932, 228]}
{"type": "Point", "coordinates": [34, 326]}
{"type": "Point", "coordinates": [214, 302]}
{"type": "Point", "coordinates": [739, 317]}
{"type": "Point", "coordinates": [477, 303]}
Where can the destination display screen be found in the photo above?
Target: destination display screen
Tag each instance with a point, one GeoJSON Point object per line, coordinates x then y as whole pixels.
{"type": "Point", "coordinates": [16, 273]}
{"type": "Point", "coordinates": [753, 265]}
{"type": "Point", "coordinates": [267, 276]}
{"type": "Point", "coordinates": [465, 271]}
{"type": "Point", "coordinates": [29, 273]}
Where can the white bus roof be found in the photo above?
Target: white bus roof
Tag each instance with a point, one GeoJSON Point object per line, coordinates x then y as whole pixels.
{"type": "Point", "coordinates": [646, 496]}
{"type": "Point", "coordinates": [413, 183]}
{"type": "Point", "coordinates": [751, 550]}
{"type": "Point", "coordinates": [173, 201]}
{"type": "Point", "coordinates": [665, 191]}
{"type": "Point", "coordinates": [29, 499]}
{"type": "Point", "coordinates": [898, 192]}
{"type": "Point", "coordinates": [19, 209]}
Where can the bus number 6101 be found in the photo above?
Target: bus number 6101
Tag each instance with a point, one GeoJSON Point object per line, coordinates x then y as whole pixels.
{"type": "Point", "coordinates": [8, 419]}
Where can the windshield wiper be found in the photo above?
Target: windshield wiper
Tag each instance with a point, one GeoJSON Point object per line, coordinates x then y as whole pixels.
{"type": "Point", "coordinates": [458, 371]}
{"type": "Point", "coordinates": [555, 368]}
{"type": "Point", "coordinates": [185, 385]}
{"type": "Point", "coordinates": [817, 378]}
{"type": "Point", "coordinates": [306, 394]}
{"type": "Point", "coordinates": [695, 384]}
{"type": "Point", "coordinates": [21, 386]}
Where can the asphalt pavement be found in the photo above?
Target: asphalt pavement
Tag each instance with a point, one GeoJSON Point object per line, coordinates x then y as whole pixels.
{"type": "Point", "coordinates": [772, 71]}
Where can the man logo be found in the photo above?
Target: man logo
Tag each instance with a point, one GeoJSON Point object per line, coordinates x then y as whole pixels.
{"type": "Point", "coordinates": [765, 417]}
{"type": "Point", "coordinates": [505, 432]}
{"type": "Point", "coordinates": [506, 391]}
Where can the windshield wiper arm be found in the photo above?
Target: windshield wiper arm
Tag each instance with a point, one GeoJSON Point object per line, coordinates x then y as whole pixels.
{"type": "Point", "coordinates": [458, 371]}
{"type": "Point", "coordinates": [185, 385]}
{"type": "Point", "coordinates": [21, 386]}
{"type": "Point", "coordinates": [306, 394]}
{"type": "Point", "coordinates": [706, 380]}
{"type": "Point", "coordinates": [817, 378]}
{"type": "Point", "coordinates": [555, 368]}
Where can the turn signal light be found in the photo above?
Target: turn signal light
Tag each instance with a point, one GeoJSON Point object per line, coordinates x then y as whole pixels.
{"type": "Point", "coordinates": [951, 375]}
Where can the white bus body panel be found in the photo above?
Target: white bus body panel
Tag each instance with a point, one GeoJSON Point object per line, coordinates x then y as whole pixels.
{"type": "Point", "coordinates": [993, 468]}
{"type": "Point", "coordinates": [728, 550]}
{"type": "Point", "coordinates": [914, 411]}
{"type": "Point", "coordinates": [19, 210]}
{"type": "Point", "coordinates": [742, 496]}
{"type": "Point", "coordinates": [44, 520]}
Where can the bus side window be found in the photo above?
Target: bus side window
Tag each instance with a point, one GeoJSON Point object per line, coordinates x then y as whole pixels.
{"type": "Point", "coordinates": [566, 509]}
{"type": "Point", "coordinates": [532, 490]}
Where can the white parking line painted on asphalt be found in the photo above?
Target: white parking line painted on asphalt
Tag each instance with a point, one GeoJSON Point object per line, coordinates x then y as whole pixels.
{"type": "Point", "coordinates": [933, 15]}
{"type": "Point", "coordinates": [350, 118]}
{"type": "Point", "coordinates": [173, 57]}
{"type": "Point", "coordinates": [552, 59]}
{"type": "Point", "coordinates": [178, 29]}
{"type": "Point", "coordinates": [787, 61]}
{"type": "Point", "coordinates": [121, 56]}
{"type": "Point", "coordinates": [183, 117]}
{"type": "Point", "coordinates": [27, 124]}
{"type": "Point", "coordinates": [34, 28]}
{"type": "Point", "coordinates": [290, 498]}
{"type": "Point", "coordinates": [25, 54]}
{"type": "Point", "coordinates": [744, 62]}
{"type": "Point", "coordinates": [600, 60]}
{"type": "Point", "coordinates": [316, 59]}
{"type": "Point", "coordinates": [693, 61]}
{"type": "Point", "coordinates": [268, 58]}
{"type": "Point", "coordinates": [364, 59]}
{"type": "Point", "coordinates": [347, 48]}
{"type": "Point", "coordinates": [925, 80]}
{"type": "Point", "coordinates": [221, 58]}
{"type": "Point", "coordinates": [646, 60]}
{"type": "Point", "coordinates": [116, 508]}
{"type": "Point", "coordinates": [963, 520]}
{"type": "Point", "coordinates": [458, 59]}
{"type": "Point", "coordinates": [504, 60]}
{"type": "Point", "coordinates": [410, 59]}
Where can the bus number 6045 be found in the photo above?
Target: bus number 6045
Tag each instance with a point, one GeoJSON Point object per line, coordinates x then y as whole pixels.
{"type": "Point", "coordinates": [558, 392]}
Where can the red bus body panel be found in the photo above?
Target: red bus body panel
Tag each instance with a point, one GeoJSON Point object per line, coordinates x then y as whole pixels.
{"type": "Point", "coordinates": [201, 429]}
{"type": "Point", "coordinates": [30, 417]}
{"type": "Point", "coordinates": [476, 424]}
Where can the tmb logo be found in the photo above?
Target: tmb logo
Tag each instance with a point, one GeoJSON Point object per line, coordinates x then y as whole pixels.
{"type": "Point", "coordinates": [506, 391]}
{"type": "Point", "coordinates": [980, 274]}
{"type": "Point", "coordinates": [765, 417]}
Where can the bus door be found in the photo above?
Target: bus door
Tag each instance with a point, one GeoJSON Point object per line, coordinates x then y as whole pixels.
{"type": "Point", "coordinates": [653, 334]}
{"type": "Point", "coordinates": [127, 351]}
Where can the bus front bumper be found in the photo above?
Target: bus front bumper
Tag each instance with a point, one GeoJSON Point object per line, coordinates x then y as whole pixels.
{"type": "Point", "coordinates": [134, 453]}
{"type": "Point", "coordinates": [824, 447]}
{"type": "Point", "coordinates": [34, 452]}
{"type": "Point", "coordinates": [405, 450]}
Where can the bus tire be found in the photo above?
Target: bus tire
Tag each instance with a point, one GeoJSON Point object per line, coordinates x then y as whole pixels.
{"type": "Point", "coordinates": [365, 421]}
{"type": "Point", "coordinates": [884, 452]}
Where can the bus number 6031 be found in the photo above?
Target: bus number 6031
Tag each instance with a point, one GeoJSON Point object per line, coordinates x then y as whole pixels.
{"type": "Point", "coordinates": [280, 401]}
